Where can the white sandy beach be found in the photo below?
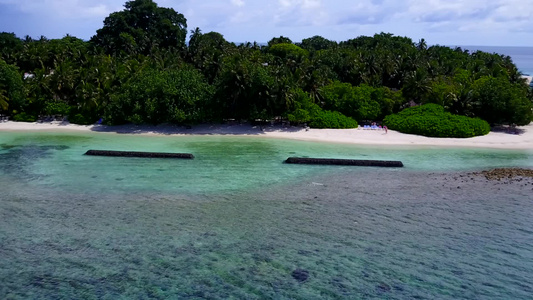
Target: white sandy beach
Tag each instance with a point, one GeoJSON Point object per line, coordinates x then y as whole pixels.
{"type": "Point", "coordinates": [497, 140]}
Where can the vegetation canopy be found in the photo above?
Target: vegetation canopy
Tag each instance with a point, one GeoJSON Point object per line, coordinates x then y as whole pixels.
{"type": "Point", "coordinates": [138, 68]}
{"type": "Point", "coordinates": [431, 120]}
{"type": "Point", "coordinates": [141, 27]}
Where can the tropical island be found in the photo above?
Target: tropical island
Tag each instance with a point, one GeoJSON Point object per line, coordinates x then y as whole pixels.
{"type": "Point", "coordinates": [141, 67]}
{"type": "Point", "coordinates": [236, 222]}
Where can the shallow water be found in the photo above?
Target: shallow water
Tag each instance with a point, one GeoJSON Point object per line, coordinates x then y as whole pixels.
{"type": "Point", "coordinates": [236, 222]}
{"type": "Point", "coordinates": [221, 163]}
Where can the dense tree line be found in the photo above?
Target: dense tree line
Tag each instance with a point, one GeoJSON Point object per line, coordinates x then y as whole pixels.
{"type": "Point", "coordinates": [140, 68]}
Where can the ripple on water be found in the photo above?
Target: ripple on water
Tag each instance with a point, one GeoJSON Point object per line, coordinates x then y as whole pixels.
{"type": "Point", "coordinates": [232, 225]}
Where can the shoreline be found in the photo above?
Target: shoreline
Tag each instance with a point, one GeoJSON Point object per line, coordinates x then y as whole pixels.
{"type": "Point", "coordinates": [359, 136]}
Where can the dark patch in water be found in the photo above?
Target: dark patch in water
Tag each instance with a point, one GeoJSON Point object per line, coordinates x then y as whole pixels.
{"type": "Point", "coordinates": [18, 159]}
{"type": "Point", "coordinates": [304, 252]}
{"type": "Point", "coordinates": [383, 287]}
{"type": "Point", "coordinates": [300, 274]}
{"type": "Point", "coordinates": [457, 272]}
{"type": "Point", "coordinates": [7, 147]}
{"type": "Point", "coordinates": [398, 288]}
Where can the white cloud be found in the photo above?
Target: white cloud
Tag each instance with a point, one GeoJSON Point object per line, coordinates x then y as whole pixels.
{"type": "Point", "coordinates": [435, 11]}
{"type": "Point", "coordinates": [367, 12]}
{"type": "Point", "coordinates": [300, 13]}
{"type": "Point", "coordinates": [69, 9]}
{"type": "Point", "coordinates": [513, 10]}
{"type": "Point", "coordinates": [238, 3]}
{"type": "Point", "coordinates": [260, 20]}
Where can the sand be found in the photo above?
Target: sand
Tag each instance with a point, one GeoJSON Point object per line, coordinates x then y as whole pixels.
{"type": "Point", "coordinates": [503, 139]}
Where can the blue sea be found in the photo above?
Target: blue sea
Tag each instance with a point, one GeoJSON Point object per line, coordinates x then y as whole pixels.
{"type": "Point", "coordinates": [522, 56]}
{"type": "Point", "coordinates": [238, 223]}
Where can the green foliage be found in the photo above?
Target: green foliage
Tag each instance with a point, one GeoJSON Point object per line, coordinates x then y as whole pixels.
{"type": "Point", "coordinates": [24, 117]}
{"type": "Point", "coordinates": [299, 116]}
{"type": "Point", "coordinates": [303, 109]}
{"type": "Point", "coordinates": [10, 47]}
{"type": "Point", "coordinates": [207, 52]}
{"type": "Point", "coordinates": [141, 27]}
{"type": "Point", "coordinates": [80, 119]}
{"type": "Point", "coordinates": [153, 96]}
{"type": "Point", "coordinates": [246, 89]}
{"type": "Point", "coordinates": [43, 54]}
{"type": "Point", "coordinates": [11, 87]}
{"type": "Point", "coordinates": [332, 119]}
{"type": "Point", "coordinates": [389, 101]}
{"type": "Point", "coordinates": [286, 50]}
{"type": "Point", "coordinates": [279, 40]}
{"type": "Point", "coordinates": [137, 69]}
{"type": "Point", "coordinates": [317, 43]}
{"type": "Point", "coordinates": [57, 108]}
{"type": "Point", "coordinates": [356, 102]}
{"type": "Point", "coordinates": [417, 85]}
{"type": "Point", "coordinates": [499, 101]}
{"type": "Point", "coordinates": [431, 120]}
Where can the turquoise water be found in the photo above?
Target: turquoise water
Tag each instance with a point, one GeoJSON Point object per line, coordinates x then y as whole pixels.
{"type": "Point", "coordinates": [235, 222]}
{"type": "Point", "coordinates": [221, 164]}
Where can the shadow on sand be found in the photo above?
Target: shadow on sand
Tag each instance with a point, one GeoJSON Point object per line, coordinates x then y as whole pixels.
{"type": "Point", "coordinates": [510, 129]}
{"type": "Point", "coordinates": [203, 129]}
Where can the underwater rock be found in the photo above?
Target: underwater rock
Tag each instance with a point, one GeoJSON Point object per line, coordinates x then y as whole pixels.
{"type": "Point", "coordinates": [514, 174]}
{"type": "Point", "coordinates": [300, 275]}
{"type": "Point", "coordinates": [382, 286]}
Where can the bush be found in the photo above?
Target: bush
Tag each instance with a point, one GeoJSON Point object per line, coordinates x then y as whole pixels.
{"type": "Point", "coordinates": [24, 117]}
{"type": "Point", "coordinates": [286, 50]}
{"type": "Point", "coordinates": [431, 120]}
{"type": "Point", "coordinates": [79, 119]}
{"type": "Point", "coordinates": [160, 96]}
{"type": "Point", "coordinates": [302, 110]}
{"type": "Point", "coordinates": [332, 119]}
{"type": "Point", "coordinates": [357, 102]}
{"type": "Point", "coordinates": [11, 87]}
{"type": "Point", "coordinates": [57, 108]}
{"type": "Point", "coordinates": [499, 101]}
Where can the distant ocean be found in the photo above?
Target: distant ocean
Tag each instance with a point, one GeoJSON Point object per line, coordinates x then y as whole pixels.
{"type": "Point", "coordinates": [522, 56]}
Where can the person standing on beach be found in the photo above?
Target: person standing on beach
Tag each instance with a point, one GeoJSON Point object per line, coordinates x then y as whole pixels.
{"type": "Point", "coordinates": [386, 129]}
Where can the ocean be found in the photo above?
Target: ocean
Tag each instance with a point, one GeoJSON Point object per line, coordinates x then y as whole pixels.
{"type": "Point", "coordinates": [238, 223]}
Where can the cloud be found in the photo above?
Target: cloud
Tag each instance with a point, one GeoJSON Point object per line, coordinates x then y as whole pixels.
{"type": "Point", "coordinates": [300, 13]}
{"type": "Point", "coordinates": [366, 12]}
{"type": "Point", "coordinates": [513, 10]}
{"type": "Point", "coordinates": [436, 11]}
{"type": "Point", "coordinates": [454, 15]}
{"type": "Point", "coordinates": [261, 20]}
{"type": "Point", "coordinates": [69, 9]}
{"type": "Point", "coordinates": [238, 3]}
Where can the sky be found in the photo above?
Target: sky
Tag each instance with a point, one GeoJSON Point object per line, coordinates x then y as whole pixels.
{"type": "Point", "coordinates": [443, 22]}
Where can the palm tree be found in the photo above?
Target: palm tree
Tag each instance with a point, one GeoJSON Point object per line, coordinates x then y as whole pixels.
{"type": "Point", "coordinates": [417, 85]}
{"type": "Point", "coordinates": [3, 100]}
